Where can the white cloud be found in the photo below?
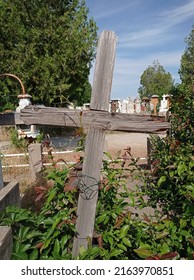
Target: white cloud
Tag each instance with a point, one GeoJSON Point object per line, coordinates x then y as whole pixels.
{"type": "Point", "coordinates": [157, 37]}
{"type": "Point", "coordinates": [110, 12]}
{"type": "Point", "coordinates": [112, 9]}
{"type": "Point", "coordinates": [161, 31]}
{"type": "Point", "coordinates": [128, 70]}
{"type": "Point", "coordinates": [169, 59]}
{"type": "Point", "coordinates": [179, 14]}
{"type": "Point", "coordinates": [142, 38]}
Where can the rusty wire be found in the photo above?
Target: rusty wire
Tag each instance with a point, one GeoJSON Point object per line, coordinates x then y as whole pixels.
{"type": "Point", "coordinates": [14, 76]}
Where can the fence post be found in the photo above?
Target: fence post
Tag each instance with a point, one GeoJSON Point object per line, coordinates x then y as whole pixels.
{"type": "Point", "coordinates": [149, 147]}
{"type": "Point", "coordinates": [1, 176]}
{"type": "Point", "coordinates": [35, 160]}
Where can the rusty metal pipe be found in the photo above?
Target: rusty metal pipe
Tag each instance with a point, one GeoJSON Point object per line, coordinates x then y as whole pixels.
{"type": "Point", "coordinates": [14, 76]}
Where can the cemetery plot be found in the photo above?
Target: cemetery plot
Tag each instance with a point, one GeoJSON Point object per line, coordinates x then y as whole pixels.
{"type": "Point", "coordinates": [97, 121]}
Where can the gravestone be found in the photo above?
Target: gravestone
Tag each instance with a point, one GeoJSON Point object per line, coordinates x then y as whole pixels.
{"type": "Point", "coordinates": [35, 160]}
{"type": "Point", "coordinates": [124, 106]}
{"type": "Point", "coordinates": [130, 108]}
{"type": "Point", "coordinates": [138, 106]}
{"type": "Point", "coordinates": [154, 101]}
{"type": "Point", "coordinates": [163, 105]}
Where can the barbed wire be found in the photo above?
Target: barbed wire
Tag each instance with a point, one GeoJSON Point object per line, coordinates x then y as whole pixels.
{"type": "Point", "coordinates": [87, 192]}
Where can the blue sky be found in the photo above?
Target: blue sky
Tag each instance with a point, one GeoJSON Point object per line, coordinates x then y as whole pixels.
{"type": "Point", "coordinates": [147, 30]}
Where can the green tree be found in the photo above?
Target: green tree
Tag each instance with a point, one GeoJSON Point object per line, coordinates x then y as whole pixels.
{"type": "Point", "coordinates": [187, 61]}
{"type": "Point", "coordinates": [49, 45]}
{"type": "Point", "coordinates": [155, 80]}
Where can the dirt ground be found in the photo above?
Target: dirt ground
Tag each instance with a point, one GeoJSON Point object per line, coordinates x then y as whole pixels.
{"type": "Point", "coordinates": [115, 142]}
{"type": "Point", "coordinates": [118, 141]}
{"type": "Point", "coordinates": [138, 143]}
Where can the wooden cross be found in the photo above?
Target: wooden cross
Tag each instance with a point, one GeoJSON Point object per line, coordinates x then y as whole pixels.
{"type": "Point", "coordinates": [97, 120]}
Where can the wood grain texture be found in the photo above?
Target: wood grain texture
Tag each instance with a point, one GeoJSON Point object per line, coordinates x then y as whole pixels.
{"type": "Point", "coordinates": [1, 176]}
{"type": "Point", "coordinates": [98, 119]}
{"type": "Point", "coordinates": [89, 188]}
{"type": "Point", "coordinates": [103, 71]}
{"type": "Point", "coordinates": [94, 143]}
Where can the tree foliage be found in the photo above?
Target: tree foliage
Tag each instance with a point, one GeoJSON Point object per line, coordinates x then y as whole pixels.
{"type": "Point", "coordinates": [155, 80]}
{"type": "Point", "coordinates": [49, 45]}
{"type": "Point", "coordinates": [187, 61]}
{"type": "Point", "coordinates": [173, 157]}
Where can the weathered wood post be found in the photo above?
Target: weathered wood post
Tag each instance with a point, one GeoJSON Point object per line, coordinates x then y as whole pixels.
{"type": "Point", "coordinates": [6, 243]}
{"type": "Point", "coordinates": [35, 160]}
{"type": "Point", "coordinates": [1, 176]}
{"type": "Point", "coordinates": [149, 153]}
{"type": "Point", "coordinates": [89, 181]}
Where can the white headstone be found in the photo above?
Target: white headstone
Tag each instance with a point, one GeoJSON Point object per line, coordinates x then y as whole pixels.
{"type": "Point", "coordinates": [124, 106]}
{"type": "Point", "coordinates": [116, 105]}
{"type": "Point", "coordinates": [138, 106]}
{"type": "Point", "coordinates": [130, 107]}
{"type": "Point", "coordinates": [119, 106]}
{"type": "Point", "coordinates": [163, 104]}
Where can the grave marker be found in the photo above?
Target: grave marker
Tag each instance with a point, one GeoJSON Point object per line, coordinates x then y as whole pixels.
{"type": "Point", "coordinates": [96, 120]}
{"type": "Point", "coordinates": [95, 141]}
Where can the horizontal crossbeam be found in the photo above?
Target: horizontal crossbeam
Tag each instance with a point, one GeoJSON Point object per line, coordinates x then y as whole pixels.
{"type": "Point", "coordinates": [91, 118]}
{"type": "Point", "coordinates": [73, 118]}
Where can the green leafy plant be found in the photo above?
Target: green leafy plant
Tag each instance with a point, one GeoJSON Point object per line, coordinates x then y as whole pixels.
{"type": "Point", "coordinates": [47, 234]}
{"type": "Point", "coordinates": [170, 185]}
{"type": "Point", "coordinates": [19, 144]}
{"type": "Point", "coordinates": [119, 233]}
